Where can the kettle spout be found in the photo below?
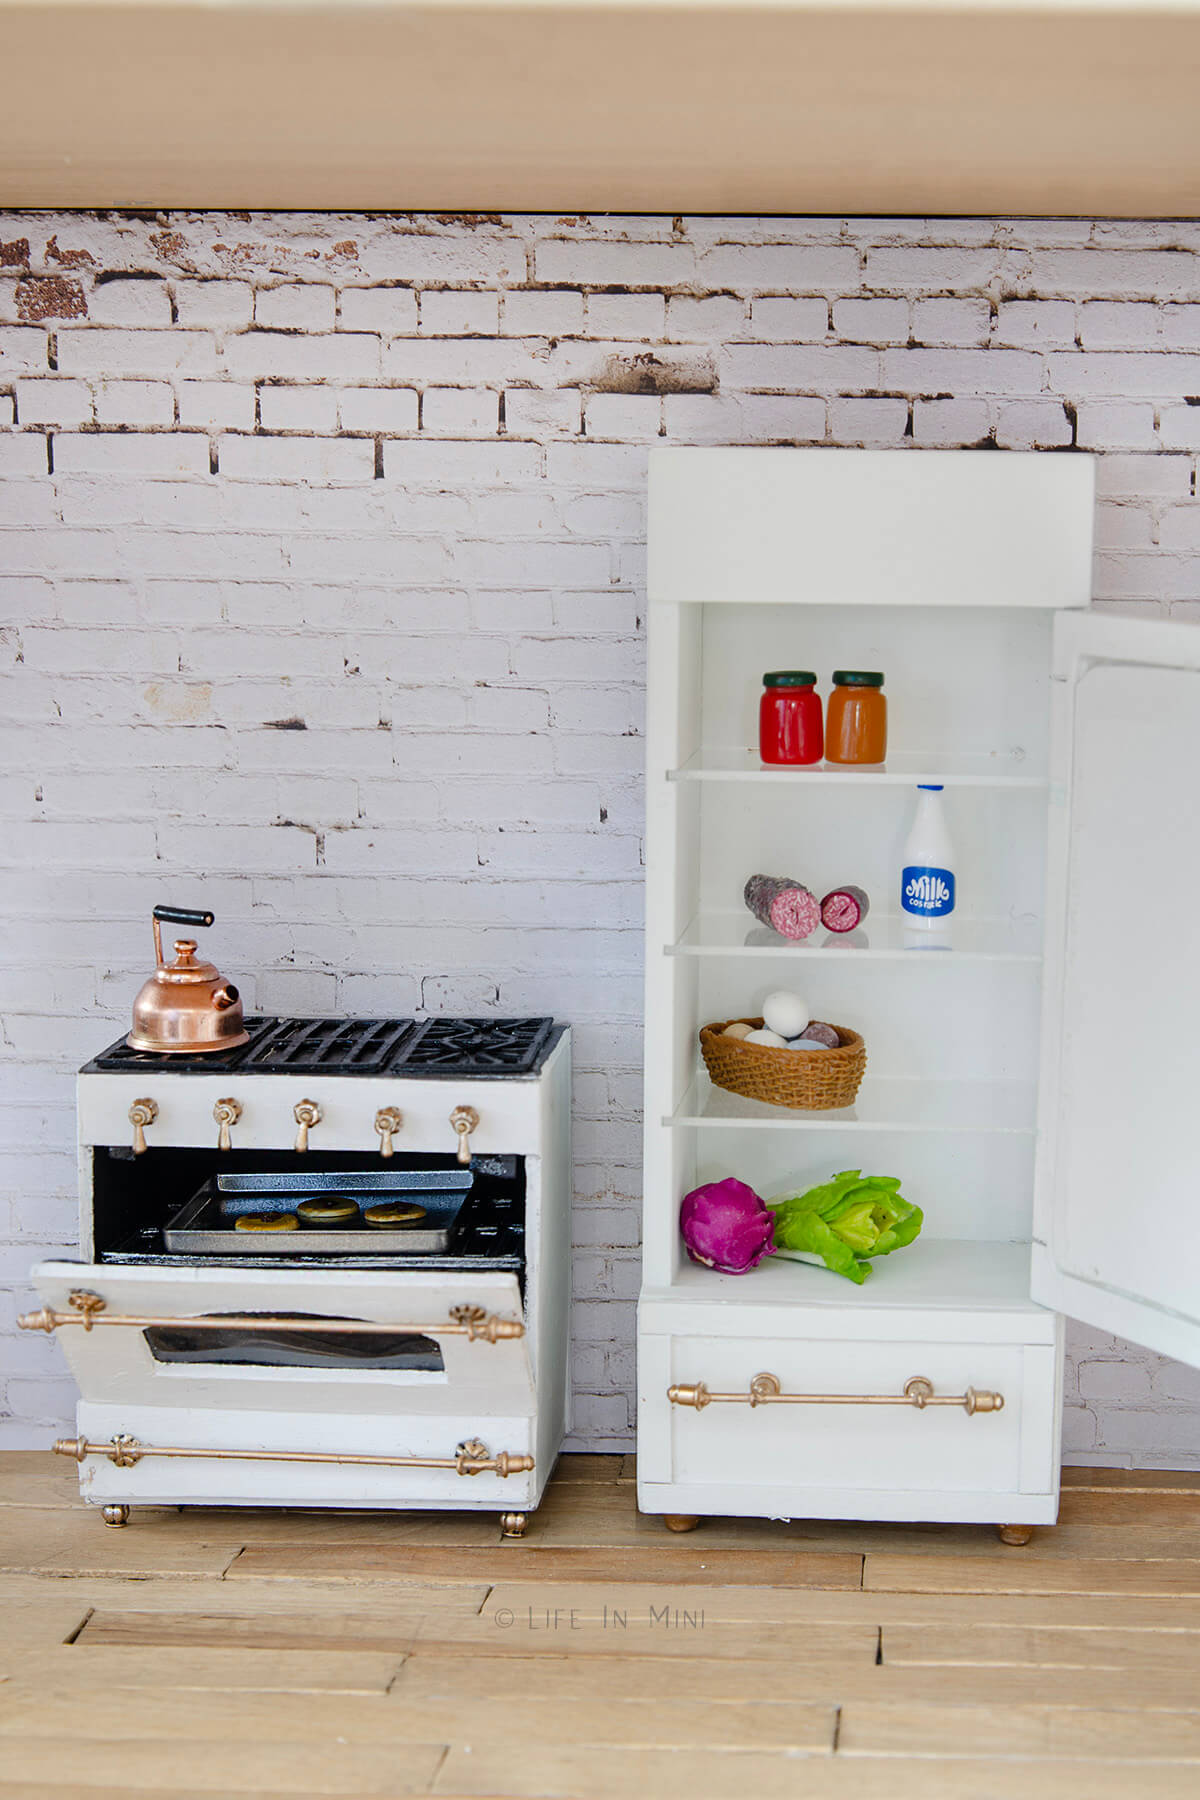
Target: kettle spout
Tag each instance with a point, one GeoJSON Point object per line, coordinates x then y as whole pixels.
{"type": "Point", "coordinates": [225, 997]}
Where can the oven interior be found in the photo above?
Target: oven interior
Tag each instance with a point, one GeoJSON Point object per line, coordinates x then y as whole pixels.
{"type": "Point", "coordinates": [136, 1198]}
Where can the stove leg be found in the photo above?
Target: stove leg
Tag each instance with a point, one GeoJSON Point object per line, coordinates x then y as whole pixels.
{"type": "Point", "coordinates": [1014, 1534]}
{"type": "Point", "coordinates": [116, 1515]}
{"type": "Point", "coordinates": [680, 1521]}
{"type": "Point", "coordinates": [514, 1525]}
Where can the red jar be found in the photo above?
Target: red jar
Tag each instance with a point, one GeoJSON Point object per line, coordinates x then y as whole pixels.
{"type": "Point", "coordinates": [790, 725]}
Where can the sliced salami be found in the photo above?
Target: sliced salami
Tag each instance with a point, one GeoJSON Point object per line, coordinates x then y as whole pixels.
{"type": "Point", "coordinates": [843, 908]}
{"type": "Point", "coordinates": [783, 904]}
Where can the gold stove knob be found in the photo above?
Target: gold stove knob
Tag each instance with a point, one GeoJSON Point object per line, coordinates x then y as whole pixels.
{"type": "Point", "coordinates": [388, 1121]}
{"type": "Point", "coordinates": [465, 1120]}
{"type": "Point", "coordinates": [226, 1113]}
{"type": "Point", "coordinates": [306, 1114]}
{"type": "Point", "coordinates": [141, 1114]}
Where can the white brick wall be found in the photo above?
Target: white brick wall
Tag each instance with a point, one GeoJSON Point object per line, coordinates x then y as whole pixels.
{"type": "Point", "coordinates": [321, 547]}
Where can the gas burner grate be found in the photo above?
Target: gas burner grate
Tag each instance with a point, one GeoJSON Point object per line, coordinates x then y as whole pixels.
{"type": "Point", "coordinates": [429, 1047]}
{"type": "Point", "coordinates": [344, 1046]}
{"type": "Point", "coordinates": [478, 1046]}
{"type": "Point", "coordinates": [120, 1057]}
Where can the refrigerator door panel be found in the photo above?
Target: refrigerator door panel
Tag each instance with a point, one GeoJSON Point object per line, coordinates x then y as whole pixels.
{"type": "Point", "coordinates": [1116, 1219]}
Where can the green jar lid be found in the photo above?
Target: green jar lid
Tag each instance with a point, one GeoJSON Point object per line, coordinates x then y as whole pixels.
{"type": "Point", "coordinates": [791, 678]}
{"type": "Point", "coordinates": [857, 678]}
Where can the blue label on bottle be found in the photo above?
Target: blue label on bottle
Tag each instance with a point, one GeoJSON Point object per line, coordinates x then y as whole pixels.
{"type": "Point", "coordinates": [927, 893]}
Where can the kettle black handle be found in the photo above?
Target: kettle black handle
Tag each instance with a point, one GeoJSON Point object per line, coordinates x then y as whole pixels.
{"type": "Point", "coordinates": [181, 915]}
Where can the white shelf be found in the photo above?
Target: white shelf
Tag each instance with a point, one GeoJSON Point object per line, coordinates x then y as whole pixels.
{"type": "Point", "coordinates": [884, 935]}
{"type": "Point", "coordinates": [884, 1103]}
{"type": "Point", "coordinates": [946, 1274]}
{"type": "Point", "coordinates": [962, 769]}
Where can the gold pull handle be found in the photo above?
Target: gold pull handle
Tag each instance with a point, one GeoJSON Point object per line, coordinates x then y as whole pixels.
{"type": "Point", "coordinates": [226, 1113]}
{"type": "Point", "coordinates": [470, 1458]}
{"type": "Point", "coordinates": [141, 1114]}
{"type": "Point", "coordinates": [88, 1310]}
{"type": "Point", "coordinates": [306, 1114]}
{"type": "Point", "coordinates": [767, 1390]}
{"type": "Point", "coordinates": [388, 1121]}
{"type": "Point", "coordinates": [465, 1120]}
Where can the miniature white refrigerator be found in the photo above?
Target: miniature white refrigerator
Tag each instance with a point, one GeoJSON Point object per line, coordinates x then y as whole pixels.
{"type": "Point", "coordinates": [1031, 1075]}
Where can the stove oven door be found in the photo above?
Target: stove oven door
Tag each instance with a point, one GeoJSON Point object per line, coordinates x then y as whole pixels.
{"type": "Point", "coordinates": [301, 1387]}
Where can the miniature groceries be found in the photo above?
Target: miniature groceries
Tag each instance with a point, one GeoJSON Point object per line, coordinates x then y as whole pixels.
{"type": "Point", "coordinates": [790, 727]}
{"type": "Point", "coordinates": [792, 732]}
{"type": "Point", "coordinates": [928, 885]}
{"type": "Point", "coordinates": [840, 1225]}
{"type": "Point", "coordinates": [725, 1226]}
{"type": "Point", "coordinates": [785, 1057]}
{"type": "Point", "coordinates": [786, 1026]}
{"type": "Point", "coordinates": [789, 908]}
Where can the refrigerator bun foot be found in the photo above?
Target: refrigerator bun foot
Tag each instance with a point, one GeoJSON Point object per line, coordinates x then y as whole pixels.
{"type": "Point", "coordinates": [680, 1521]}
{"type": "Point", "coordinates": [514, 1525]}
{"type": "Point", "coordinates": [116, 1515]}
{"type": "Point", "coordinates": [1014, 1534]}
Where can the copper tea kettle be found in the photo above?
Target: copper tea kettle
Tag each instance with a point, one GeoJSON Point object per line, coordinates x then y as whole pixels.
{"type": "Point", "coordinates": [186, 1007]}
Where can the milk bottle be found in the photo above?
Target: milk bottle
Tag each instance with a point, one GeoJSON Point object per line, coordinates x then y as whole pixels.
{"type": "Point", "coordinates": [927, 881]}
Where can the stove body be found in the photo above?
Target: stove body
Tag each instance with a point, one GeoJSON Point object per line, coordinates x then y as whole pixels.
{"type": "Point", "coordinates": [226, 1367]}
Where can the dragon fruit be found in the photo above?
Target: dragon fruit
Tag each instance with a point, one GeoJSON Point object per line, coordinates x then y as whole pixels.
{"type": "Point", "coordinates": [726, 1226]}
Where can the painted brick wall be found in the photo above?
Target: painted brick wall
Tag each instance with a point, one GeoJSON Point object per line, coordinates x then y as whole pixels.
{"type": "Point", "coordinates": [321, 570]}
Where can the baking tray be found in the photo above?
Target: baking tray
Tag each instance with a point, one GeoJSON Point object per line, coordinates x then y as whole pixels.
{"type": "Point", "coordinates": [200, 1228]}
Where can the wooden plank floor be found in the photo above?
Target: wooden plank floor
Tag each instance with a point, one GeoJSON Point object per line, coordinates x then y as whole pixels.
{"type": "Point", "coordinates": [298, 1654]}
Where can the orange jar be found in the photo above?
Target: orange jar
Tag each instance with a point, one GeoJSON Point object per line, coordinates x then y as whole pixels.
{"type": "Point", "coordinates": [856, 718]}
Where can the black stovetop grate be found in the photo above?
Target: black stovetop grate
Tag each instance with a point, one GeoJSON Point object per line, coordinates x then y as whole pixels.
{"type": "Point", "coordinates": [411, 1047]}
{"type": "Point", "coordinates": [347, 1045]}
{"type": "Point", "coordinates": [494, 1046]}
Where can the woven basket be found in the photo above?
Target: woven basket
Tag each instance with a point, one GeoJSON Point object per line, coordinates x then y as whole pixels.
{"type": "Point", "coordinates": [815, 1080]}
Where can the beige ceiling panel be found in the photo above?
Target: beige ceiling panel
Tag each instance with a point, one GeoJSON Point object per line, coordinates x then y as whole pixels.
{"type": "Point", "coordinates": [577, 105]}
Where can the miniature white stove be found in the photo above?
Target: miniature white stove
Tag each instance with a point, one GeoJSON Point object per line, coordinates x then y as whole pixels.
{"type": "Point", "coordinates": [229, 1367]}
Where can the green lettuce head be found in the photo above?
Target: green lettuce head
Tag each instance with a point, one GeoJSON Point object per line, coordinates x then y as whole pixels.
{"type": "Point", "coordinates": [845, 1222]}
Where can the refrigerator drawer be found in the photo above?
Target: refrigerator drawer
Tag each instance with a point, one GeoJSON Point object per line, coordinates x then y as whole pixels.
{"type": "Point", "coordinates": [837, 1428]}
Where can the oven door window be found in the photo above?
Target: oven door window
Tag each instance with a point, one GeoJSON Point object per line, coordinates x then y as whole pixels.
{"type": "Point", "coordinates": [276, 1347]}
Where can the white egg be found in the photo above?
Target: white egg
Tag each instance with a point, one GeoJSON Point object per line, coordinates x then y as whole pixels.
{"type": "Point", "coordinates": [806, 1044]}
{"type": "Point", "coordinates": [766, 1037]}
{"type": "Point", "coordinates": [785, 1013]}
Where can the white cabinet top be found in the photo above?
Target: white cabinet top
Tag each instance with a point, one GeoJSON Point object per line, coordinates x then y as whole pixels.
{"type": "Point", "coordinates": [871, 527]}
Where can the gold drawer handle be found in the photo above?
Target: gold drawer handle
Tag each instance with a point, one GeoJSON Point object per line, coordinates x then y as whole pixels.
{"type": "Point", "coordinates": [766, 1390]}
{"type": "Point", "coordinates": [470, 1458]}
{"type": "Point", "coordinates": [471, 1322]}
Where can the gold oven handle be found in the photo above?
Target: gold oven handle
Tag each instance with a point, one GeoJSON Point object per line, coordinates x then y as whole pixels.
{"type": "Point", "coordinates": [766, 1390]}
{"type": "Point", "coordinates": [88, 1310]}
{"type": "Point", "coordinates": [470, 1458]}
